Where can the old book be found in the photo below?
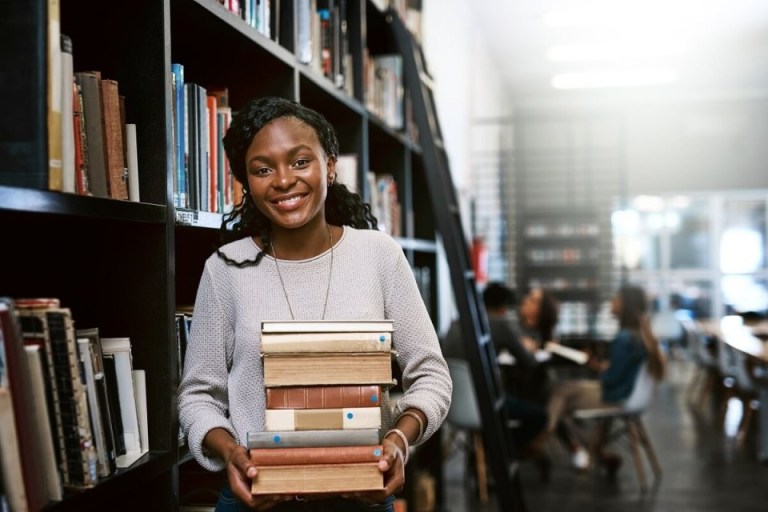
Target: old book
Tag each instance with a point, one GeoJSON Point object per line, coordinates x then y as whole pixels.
{"type": "Point", "coordinates": [67, 114]}
{"type": "Point", "coordinates": [54, 96]}
{"type": "Point", "coordinates": [10, 460]}
{"type": "Point", "coordinates": [323, 397]}
{"type": "Point", "coordinates": [318, 478]}
{"type": "Point", "coordinates": [572, 354]}
{"type": "Point", "coordinates": [97, 425]}
{"type": "Point", "coordinates": [296, 326]}
{"type": "Point", "coordinates": [326, 342]}
{"type": "Point", "coordinates": [346, 418]}
{"type": "Point", "coordinates": [90, 88]}
{"type": "Point", "coordinates": [307, 438]}
{"type": "Point", "coordinates": [318, 368]}
{"type": "Point", "coordinates": [112, 128]}
{"type": "Point", "coordinates": [315, 455]}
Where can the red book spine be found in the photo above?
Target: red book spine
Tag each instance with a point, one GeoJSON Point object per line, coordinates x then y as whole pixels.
{"type": "Point", "coordinates": [323, 397]}
{"type": "Point", "coordinates": [315, 455]}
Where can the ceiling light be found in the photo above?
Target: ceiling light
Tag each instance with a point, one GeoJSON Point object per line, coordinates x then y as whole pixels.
{"type": "Point", "coordinates": [629, 78]}
{"type": "Point", "coordinates": [615, 51]}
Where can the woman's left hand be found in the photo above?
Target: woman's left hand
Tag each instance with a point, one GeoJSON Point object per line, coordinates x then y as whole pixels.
{"type": "Point", "coordinates": [392, 465]}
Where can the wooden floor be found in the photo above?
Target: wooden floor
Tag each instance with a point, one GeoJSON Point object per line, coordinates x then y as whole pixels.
{"type": "Point", "coordinates": [703, 469]}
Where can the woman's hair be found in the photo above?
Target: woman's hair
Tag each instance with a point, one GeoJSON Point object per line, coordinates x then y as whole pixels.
{"type": "Point", "coordinates": [633, 315]}
{"type": "Point", "coordinates": [342, 207]}
{"type": "Point", "coordinates": [549, 313]}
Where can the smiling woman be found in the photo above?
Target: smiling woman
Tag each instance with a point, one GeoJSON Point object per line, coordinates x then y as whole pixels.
{"type": "Point", "coordinates": [302, 247]}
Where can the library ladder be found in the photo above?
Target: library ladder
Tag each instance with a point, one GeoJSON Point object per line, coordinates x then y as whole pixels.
{"type": "Point", "coordinates": [500, 451]}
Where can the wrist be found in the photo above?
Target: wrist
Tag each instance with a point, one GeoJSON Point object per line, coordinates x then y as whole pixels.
{"type": "Point", "coordinates": [397, 437]}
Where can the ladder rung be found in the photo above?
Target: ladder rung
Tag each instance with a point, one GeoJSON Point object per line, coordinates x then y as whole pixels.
{"type": "Point", "coordinates": [427, 80]}
{"type": "Point", "coordinates": [498, 406]}
{"type": "Point", "coordinates": [513, 468]}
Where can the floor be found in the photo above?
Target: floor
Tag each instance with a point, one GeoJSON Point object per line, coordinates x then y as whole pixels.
{"type": "Point", "coordinates": [703, 469]}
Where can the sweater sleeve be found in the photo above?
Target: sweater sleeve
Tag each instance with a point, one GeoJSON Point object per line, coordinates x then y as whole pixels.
{"type": "Point", "coordinates": [203, 398]}
{"type": "Point", "coordinates": [426, 382]}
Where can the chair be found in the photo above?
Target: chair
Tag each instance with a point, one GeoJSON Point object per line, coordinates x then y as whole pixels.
{"type": "Point", "coordinates": [704, 355]}
{"type": "Point", "coordinates": [464, 416]}
{"type": "Point", "coordinates": [630, 413]}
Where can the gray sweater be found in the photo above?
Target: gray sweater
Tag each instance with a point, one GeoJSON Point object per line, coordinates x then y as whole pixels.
{"type": "Point", "coordinates": [223, 386]}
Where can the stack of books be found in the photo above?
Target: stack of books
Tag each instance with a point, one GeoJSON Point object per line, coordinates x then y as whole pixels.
{"type": "Point", "coordinates": [323, 382]}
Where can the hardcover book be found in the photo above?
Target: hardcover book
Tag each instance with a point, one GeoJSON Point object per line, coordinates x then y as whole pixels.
{"type": "Point", "coordinates": [349, 418]}
{"type": "Point", "coordinates": [572, 354]}
{"type": "Point", "coordinates": [316, 326]}
{"type": "Point", "coordinates": [315, 368]}
{"type": "Point", "coordinates": [326, 342]}
{"type": "Point", "coordinates": [323, 397]}
{"type": "Point", "coordinates": [307, 438]}
{"type": "Point", "coordinates": [318, 478]}
{"type": "Point", "coordinates": [315, 455]}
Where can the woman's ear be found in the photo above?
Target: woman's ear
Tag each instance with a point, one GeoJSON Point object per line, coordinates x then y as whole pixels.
{"type": "Point", "coordinates": [331, 170]}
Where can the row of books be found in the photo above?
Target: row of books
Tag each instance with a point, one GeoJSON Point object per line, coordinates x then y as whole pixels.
{"type": "Point", "coordinates": [324, 383]}
{"type": "Point", "coordinates": [201, 116]}
{"type": "Point", "coordinates": [93, 150]}
{"type": "Point", "coordinates": [72, 407]}
{"type": "Point", "coordinates": [259, 14]}
{"type": "Point", "coordinates": [323, 42]}
{"type": "Point", "coordinates": [384, 89]}
{"type": "Point", "coordinates": [385, 202]}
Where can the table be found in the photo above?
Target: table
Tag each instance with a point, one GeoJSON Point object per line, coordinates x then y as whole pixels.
{"type": "Point", "coordinates": [749, 338]}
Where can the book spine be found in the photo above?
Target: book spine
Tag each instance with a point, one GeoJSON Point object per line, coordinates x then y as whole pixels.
{"type": "Point", "coordinates": [90, 86]}
{"type": "Point", "coordinates": [347, 418]}
{"type": "Point", "coordinates": [132, 163]}
{"type": "Point", "coordinates": [323, 397]}
{"type": "Point", "coordinates": [113, 138]}
{"type": "Point", "coordinates": [309, 438]}
{"type": "Point", "coordinates": [54, 96]}
{"type": "Point", "coordinates": [67, 114]}
{"type": "Point", "coordinates": [326, 342]}
{"type": "Point", "coordinates": [113, 401]}
{"type": "Point", "coordinates": [315, 455]}
{"type": "Point", "coordinates": [86, 362]}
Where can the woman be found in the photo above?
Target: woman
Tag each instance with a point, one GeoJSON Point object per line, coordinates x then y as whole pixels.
{"type": "Point", "coordinates": [539, 313]}
{"type": "Point", "coordinates": [632, 346]}
{"type": "Point", "coordinates": [303, 249]}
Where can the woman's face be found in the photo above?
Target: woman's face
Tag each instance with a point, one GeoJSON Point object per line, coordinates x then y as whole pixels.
{"type": "Point", "coordinates": [531, 306]}
{"type": "Point", "coordinates": [616, 306]}
{"type": "Point", "coordinates": [288, 173]}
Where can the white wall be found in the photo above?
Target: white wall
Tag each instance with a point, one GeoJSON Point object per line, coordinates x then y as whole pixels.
{"type": "Point", "coordinates": [467, 87]}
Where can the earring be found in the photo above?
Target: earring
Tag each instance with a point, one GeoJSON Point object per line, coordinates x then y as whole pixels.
{"type": "Point", "coordinates": [331, 179]}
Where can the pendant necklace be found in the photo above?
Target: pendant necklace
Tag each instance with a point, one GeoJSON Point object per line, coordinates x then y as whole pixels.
{"type": "Point", "coordinates": [282, 283]}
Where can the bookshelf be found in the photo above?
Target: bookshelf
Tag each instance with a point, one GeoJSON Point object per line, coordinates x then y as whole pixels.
{"type": "Point", "coordinates": [124, 267]}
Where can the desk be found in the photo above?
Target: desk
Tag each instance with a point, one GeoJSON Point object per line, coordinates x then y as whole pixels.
{"type": "Point", "coordinates": [744, 338]}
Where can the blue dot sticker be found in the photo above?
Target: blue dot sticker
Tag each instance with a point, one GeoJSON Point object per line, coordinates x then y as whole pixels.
{"type": "Point", "coordinates": [276, 439]}
{"type": "Point", "coordinates": [350, 415]}
{"type": "Point", "coordinates": [374, 398]}
{"type": "Point", "coordinates": [377, 452]}
{"type": "Point", "coordinates": [382, 338]}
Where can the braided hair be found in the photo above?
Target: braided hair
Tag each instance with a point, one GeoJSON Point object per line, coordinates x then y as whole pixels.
{"type": "Point", "coordinates": [342, 206]}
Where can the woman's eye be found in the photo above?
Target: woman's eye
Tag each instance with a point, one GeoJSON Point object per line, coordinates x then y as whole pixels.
{"type": "Point", "coordinates": [261, 171]}
{"type": "Point", "coordinates": [301, 162]}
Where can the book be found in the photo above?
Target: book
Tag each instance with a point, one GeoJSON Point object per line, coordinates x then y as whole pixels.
{"type": "Point", "coordinates": [318, 478]}
{"type": "Point", "coordinates": [19, 379]}
{"type": "Point", "coordinates": [315, 455]}
{"type": "Point", "coordinates": [297, 326]}
{"type": "Point", "coordinates": [318, 368]}
{"type": "Point", "coordinates": [307, 438]}
{"type": "Point", "coordinates": [120, 350]}
{"type": "Point", "coordinates": [572, 354]}
{"type": "Point", "coordinates": [132, 163]}
{"type": "Point", "coordinates": [140, 390]}
{"type": "Point", "coordinates": [90, 89]}
{"type": "Point", "coordinates": [10, 459]}
{"type": "Point", "coordinates": [43, 433]}
{"type": "Point", "coordinates": [97, 425]}
{"type": "Point", "coordinates": [344, 418]}
{"type": "Point", "coordinates": [67, 114]}
{"type": "Point", "coordinates": [323, 397]}
{"type": "Point", "coordinates": [113, 140]}
{"type": "Point", "coordinates": [326, 342]}
{"type": "Point", "coordinates": [54, 95]}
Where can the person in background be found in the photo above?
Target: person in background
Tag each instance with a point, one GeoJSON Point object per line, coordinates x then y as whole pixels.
{"type": "Point", "coordinates": [539, 313]}
{"type": "Point", "coordinates": [633, 345]}
{"type": "Point", "coordinates": [299, 246]}
{"type": "Point", "coordinates": [505, 336]}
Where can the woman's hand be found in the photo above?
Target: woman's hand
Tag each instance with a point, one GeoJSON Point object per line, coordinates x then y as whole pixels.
{"type": "Point", "coordinates": [392, 465]}
{"type": "Point", "coordinates": [240, 474]}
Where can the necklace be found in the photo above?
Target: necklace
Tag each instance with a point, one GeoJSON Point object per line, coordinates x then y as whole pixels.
{"type": "Point", "coordinates": [282, 283]}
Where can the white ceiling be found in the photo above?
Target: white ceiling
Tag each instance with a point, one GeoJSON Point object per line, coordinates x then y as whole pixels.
{"type": "Point", "coordinates": [726, 41]}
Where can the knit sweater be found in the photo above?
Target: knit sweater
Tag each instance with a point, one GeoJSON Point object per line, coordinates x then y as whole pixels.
{"type": "Point", "coordinates": [223, 382]}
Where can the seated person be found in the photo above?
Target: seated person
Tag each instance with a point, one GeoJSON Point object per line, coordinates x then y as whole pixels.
{"type": "Point", "coordinates": [632, 345]}
{"type": "Point", "coordinates": [505, 337]}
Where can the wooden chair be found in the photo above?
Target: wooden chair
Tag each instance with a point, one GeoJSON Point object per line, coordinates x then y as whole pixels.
{"type": "Point", "coordinates": [630, 414]}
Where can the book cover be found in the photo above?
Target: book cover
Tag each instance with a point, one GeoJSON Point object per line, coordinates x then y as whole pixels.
{"type": "Point", "coordinates": [132, 162]}
{"type": "Point", "coordinates": [308, 438]}
{"type": "Point", "coordinates": [100, 441]}
{"type": "Point", "coordinates": [315, 455]}
{"type": "Point", "coordinates": [318, 478]}
{"type": "Point", "coordinates": [90, 88]}
{"type": "Point", "coordinates": [572, 354]}
{"type": "Point", "coordinates": [318, 368]}
{"type": "Point", "coordinates": [323, 397]}
{"type": "Point", "coordinates": [327, 326]}
{"type": "Point", "coordinates": [326, 342]}
{"type": "Point", "coordinates": [345, 418]}
{"type": "Point", "coordinates": [67, 114]}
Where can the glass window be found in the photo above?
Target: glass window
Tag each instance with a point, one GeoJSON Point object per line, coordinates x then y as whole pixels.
{"type": "Point", "coordinates": [743, 240]}
{"type": "Point", "coordinates": [691, 298]}
{"type": "Point", "coordinates": [743, 294]}
{"type": "Point", "coordinates": [689, 227]}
